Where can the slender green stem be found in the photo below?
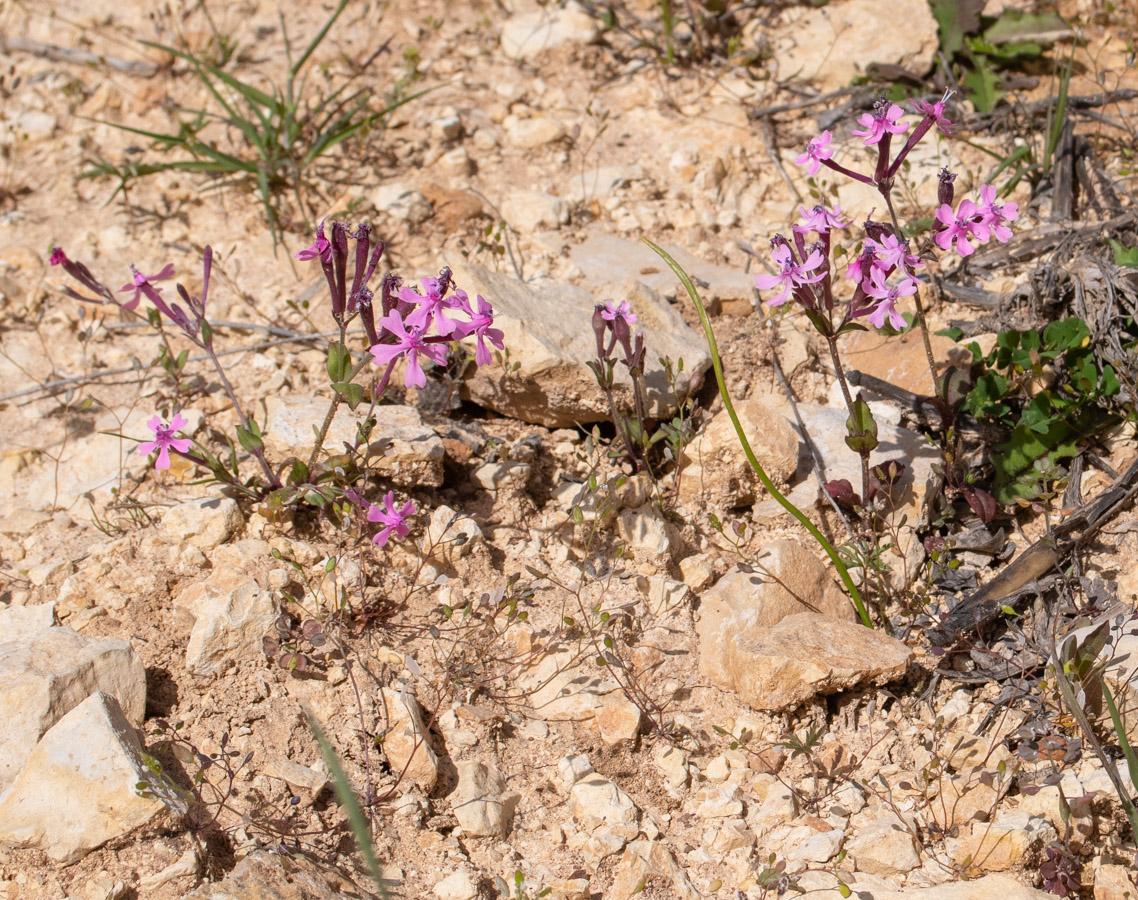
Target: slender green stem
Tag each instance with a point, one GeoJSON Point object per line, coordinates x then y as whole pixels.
{"type": "Point", "coordinates": [717, 365]}
{"type": "Point", "coordinates": [841, 375]}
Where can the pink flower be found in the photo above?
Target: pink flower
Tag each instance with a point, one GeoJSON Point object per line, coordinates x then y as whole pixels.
{"type": "Point", "coordinates": [409, 343]}
{"type": "Point", "coordinates": [820, 220]}
{"type": "Point", "coordinates": [622, 311]}
{"type": "Point", "coordinates": [58, 257]}
{"type": "Point", "coordinates": [393, 520]}
{"type": "Point", "coordinates": [479, 326]}
{"type": "Point", "coordinates": [858, 266]}
{"type": "Point", "coordinates": [141, 280]}
{"type": "Point", "coordinates": [817, 150]}
{"type": "Point", "coordinates": [322, 248]}
{"type": "Point", "coordinates": [877, 123]}
{"type": "Point", "coordinates": [790, 274]}
{"type": "Point", "coordinates": [960, 226]}
{"type": "Point", "coordinates": [935, 111]}
{"type": "Point", "coordinates": [895, 254]}
{"type": "Point", "coordinates": [429, 308]}
{"type": "Point", "coordinates": [887, 296]}
{"type": "Point", "coordinates": [994, 214]}
{"type": "Point", "coordinates": [164, 439]}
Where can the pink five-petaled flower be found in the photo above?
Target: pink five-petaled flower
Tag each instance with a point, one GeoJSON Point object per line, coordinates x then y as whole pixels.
{"type": "Point", "coordinates": [409, 343]}
{"type": "Point", "coordinates": [995, 214]}
{"type": "Point", "coordinates": [164, 439]}
{"type": "Point", "coordinates": [429, 308]}
{"type": "Point", "coordinates": [820, 220]}
{"type": "Point", "coordinates": [877, 123]}
{"type": "Point", "coordinates": [623, 310]}
{"type": "Point", "coordinates": [817, 150]}
{"type": "Point", "coordinates": [895, 254]}
{"type": "Point", "coordinates": [140, 280]}
{"type": "Point", "coordinates": [479, 326]}
{"type": "Point", "coordinates": [887, 296]}
{"type": "Point", "coordinates": [790, 274]}
{"type": "Point", "coordinates": [960, 226]}
{"type": "Point", "coordinates": [394, 520]}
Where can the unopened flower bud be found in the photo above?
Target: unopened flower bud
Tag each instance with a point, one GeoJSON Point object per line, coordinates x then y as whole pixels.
{"type": "Point", "coordinates": [599, 328]}
{"type": "Point", "coordinates": [945, 191]}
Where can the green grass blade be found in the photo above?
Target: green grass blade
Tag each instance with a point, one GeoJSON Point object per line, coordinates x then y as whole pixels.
{"type": "Point", "coordinates": [1120, 733]}
{"type": "Point", "coordinates": [361, 831]}
{"type": "Point", "coordinates": [717, 365]}
{"type": "Point", "coordinates": [1056, 130]}
{"type": "Point", "coordinates": [252, 94]}
{"type": "Point", "coordinates": [318, 40]}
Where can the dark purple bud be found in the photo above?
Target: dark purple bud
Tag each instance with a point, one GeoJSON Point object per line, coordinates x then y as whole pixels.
{"type": "Point", "coordinates": [363, 246]}
{"type": "Point", "coordinates": [600, 326]}
{"type": "Point", "coordinates": [367, 314]}
{"type": "Point", "coordinates": [636, 361]}
{"type": "Point", "coordinates": [945, 190]}
{"type": "Point", "coordinates": [388, 293]}
{"type": "Point", "coordinates": [877, 230]}
{"type": "Point", "coordinates": [339, 242]}
{"type": "Point", "coordinates": [446, 280]}
{"type": "Point", "coordinates": [623, 335]}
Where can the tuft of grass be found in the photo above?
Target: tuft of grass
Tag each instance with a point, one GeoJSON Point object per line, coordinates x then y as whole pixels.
{"type": "Point", "coordinates": [283, 131]}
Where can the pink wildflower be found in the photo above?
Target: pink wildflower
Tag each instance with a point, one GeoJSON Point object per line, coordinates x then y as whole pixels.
{"type": "Point", "coordinates": [817, 150]}
{"type": "Point", "coordinates": [141, 280]}
{"type": "Point", "coordinates": [820, 220]}
{"type": "Point", "coordinates": [995, 214]}
{"type": "Point", "coordinates": [791, 274]}
{"type": "Point", "coordinates": [322, 248]}
{"type": "Point", "coordinates": [393, 520]}
{"type": "Point", "coordinates": [409, 343]}
{"type": "Point", "coordinates": [623, 310]}
{"type": "Point", "coordinates": [876, 124]}
{"type": "Point", "coordinates": [895, 254]}
{"type": "Point", "coordinates": [164, 439]}
{"type": "Point", "coordinates": [887, 296]}
{"type": "Point", "coordinates": [479, 326]}
{"type": "Point", "coordinates": [58, 257]}
{"type": "Point", "coordinates": [935, 111]}
{"type": "Point", "coordinates": [960, 226]}
{"type": "Point", "coordinates": [429, 308]}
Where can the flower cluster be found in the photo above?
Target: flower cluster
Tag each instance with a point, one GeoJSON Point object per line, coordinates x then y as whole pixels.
{"type": "Point", "coordinates": [407, 316]}
{"type": "Point", "coordinates": [974, 223]}
{"type": "Point", "coordinates": [883, 272]}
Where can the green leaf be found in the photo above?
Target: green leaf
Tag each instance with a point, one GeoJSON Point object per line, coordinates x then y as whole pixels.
{"type": "Point", "coordinates": [249, 440]}
{"type": "Point", "coordinates": [298, 473]}
{"type": "Point", "coordinates": [353, 394]}
{"type": "Point", "coordinates": [1018, 26]}
{"type": "Point", "coordinates": [862, 428]}
{"type": "Point", "coordinates": [207, 332]}
{"type": "Point", "coordinates": [1125, 256]}
{"type": "Point", "coordinates": [339, 363]}
{"type": "Point", "coordinates": [955, 18]}
{"type": "Point", "coordinates": [1067, 334]}
{"type": "Point", "coordinates": [953, 333]}
{"type": "Point", "coordinates": [981, 85]}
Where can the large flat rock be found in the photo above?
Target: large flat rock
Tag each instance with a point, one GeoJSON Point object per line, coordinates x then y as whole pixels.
{"type": "Point", "coordinates": [549, 339]}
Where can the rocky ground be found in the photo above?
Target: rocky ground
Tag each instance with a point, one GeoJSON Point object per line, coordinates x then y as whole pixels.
{"type": "Point", "coordinates": [747, 736]}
